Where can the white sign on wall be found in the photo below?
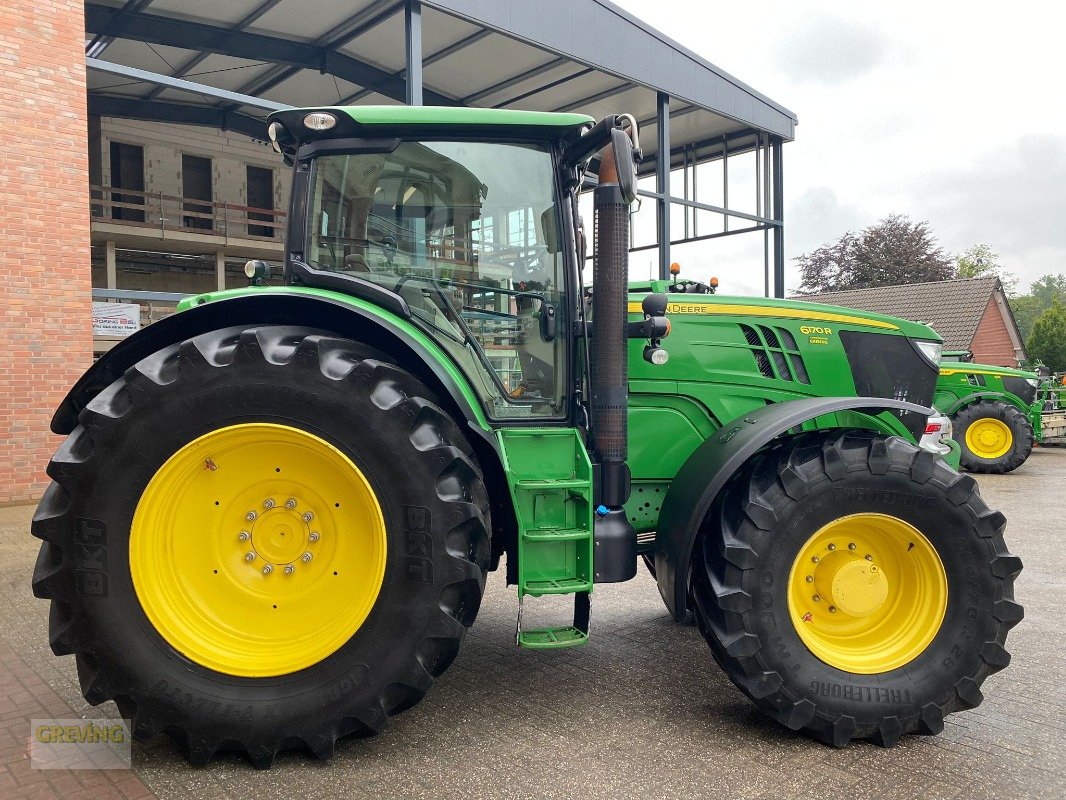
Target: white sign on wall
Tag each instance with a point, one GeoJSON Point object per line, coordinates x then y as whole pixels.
{"type": "Point", "coordinates": [116, 319]}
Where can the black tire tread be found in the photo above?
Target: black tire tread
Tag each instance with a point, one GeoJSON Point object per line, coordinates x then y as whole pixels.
{"type": "Point", "coordinates": [431, 432]}
{"type": "Point", "coordinates": [723, 558]}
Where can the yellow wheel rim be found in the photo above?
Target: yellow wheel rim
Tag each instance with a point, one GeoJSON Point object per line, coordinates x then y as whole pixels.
{"type": "Point", "coordinates": [257, 550]}
{"type": "Point", "coordinates": [867, 593]}
{"type": "Point", "coordinates": [989, 438]}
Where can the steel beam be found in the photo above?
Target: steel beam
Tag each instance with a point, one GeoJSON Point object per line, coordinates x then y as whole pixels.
{"type": "Point", "coordinates": [174, 32]}
{"type": "Point", "coordinates": [155, 111]}
{"type": "Point", "coordinates": [183, 85]}
{"type": "Point", "coordinates": [202, 56]}
{"type": "Point", "coordinates": [412, 38]}
{"type": "Point", "coordinates": [777, 169]}
{"type": "Point", "coordinates": [662, 182]}
{"type": "Point", "coordinates": [432, 58]}
{"type": "Point", "coordinates": [514, 80]}
{"type": "Point", "coordinates": [338, 36]}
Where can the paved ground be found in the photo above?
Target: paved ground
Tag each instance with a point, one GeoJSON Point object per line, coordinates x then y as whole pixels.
{"type": "Point", "coordinates": [641, 711]}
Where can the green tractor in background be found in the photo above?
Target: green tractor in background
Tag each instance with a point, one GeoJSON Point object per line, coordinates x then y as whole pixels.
{"type": "Point", "coordinates": [271, 522]}
{"type": "Point", "coordinates": [995, 412]}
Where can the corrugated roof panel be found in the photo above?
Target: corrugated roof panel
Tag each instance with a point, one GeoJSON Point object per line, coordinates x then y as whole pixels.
{"type": "Point", "coordinates": [228, 13]}
{"type": "Point", "coordinates": [307, 21]}
{"type": "Point", "coordinates": [310, 88]}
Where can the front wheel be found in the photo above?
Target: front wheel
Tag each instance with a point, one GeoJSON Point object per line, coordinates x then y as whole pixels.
{"type": "Point", "coordinates": [856, 587]}
{"type": "Point", "coordinates": [993, 437]}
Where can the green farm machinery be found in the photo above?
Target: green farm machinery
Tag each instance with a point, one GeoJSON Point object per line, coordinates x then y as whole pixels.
{"type": "Point", "coordinates": [272, 519]}
{"type": "Point", "coordinates": [996, 412]}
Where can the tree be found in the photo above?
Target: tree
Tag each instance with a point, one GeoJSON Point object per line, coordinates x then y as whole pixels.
{"type": "Point", "coordinates": [894, 251]}
{"type": "Point", "coordinates": [980, 261]}
{"type": "Point", "coordinates": [1042, 294]}
{"type": "Point", "coordinates": [1047, 342]}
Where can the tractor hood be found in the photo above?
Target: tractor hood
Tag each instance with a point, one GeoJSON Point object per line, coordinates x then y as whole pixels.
{"type": "Point", "coordinates": [818, 314]}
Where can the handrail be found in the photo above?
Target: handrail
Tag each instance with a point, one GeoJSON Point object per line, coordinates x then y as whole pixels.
{"type": "Point", "coordinates": [163, 212]}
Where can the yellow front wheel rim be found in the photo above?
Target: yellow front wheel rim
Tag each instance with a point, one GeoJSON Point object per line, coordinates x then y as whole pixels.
{"type": "Point", "coordinates": [989, 438]}
{"type": "Point", "coordinates": [867, 593]}
{"type": "Point", "coordinates": [258, 550]}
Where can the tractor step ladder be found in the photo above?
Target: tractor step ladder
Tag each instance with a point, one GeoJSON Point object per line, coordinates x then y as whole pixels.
{"type": "Point", "coordinates": [550, 478]}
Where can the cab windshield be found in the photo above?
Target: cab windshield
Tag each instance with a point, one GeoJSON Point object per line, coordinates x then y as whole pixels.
{"type": "Point", "coordinates": [468, 234]}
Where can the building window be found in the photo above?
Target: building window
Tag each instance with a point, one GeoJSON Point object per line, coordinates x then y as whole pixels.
{"type": "Point", "coordinates": [127, 172]}
{"type": "Point", "coordinates": [196, 185]}
{"type": "Point", "coordinates": [260, 196]}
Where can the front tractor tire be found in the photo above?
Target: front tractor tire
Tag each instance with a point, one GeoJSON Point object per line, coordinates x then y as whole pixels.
{"type": "Point", "coordinates": [855, 587]}
{"type": "Point", "coordinates": [262, 539]}
{"type": "Point", "coordinates": [993, 437]}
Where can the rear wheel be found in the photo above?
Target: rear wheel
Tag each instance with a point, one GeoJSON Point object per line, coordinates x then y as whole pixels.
{"type": "Point", "coordinates": [855, 587]}
{"type": "Point", "coordinates": [262, 539]}
{"type": "Point", "coordinates": [993, 437]}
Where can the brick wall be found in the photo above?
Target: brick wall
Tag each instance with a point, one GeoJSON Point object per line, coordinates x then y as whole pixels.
{"type": "Point", "coordinates": [992, 343]}
{"type": "Point", "coordinates": [46, 323]}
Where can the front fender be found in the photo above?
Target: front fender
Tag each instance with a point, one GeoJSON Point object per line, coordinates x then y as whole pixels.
{"type": "Point", "coordinates": [969, 399]}
{"type": "Point", "coordinates": [714, 462]}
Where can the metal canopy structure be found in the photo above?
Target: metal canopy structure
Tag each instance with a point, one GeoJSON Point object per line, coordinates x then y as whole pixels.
{"type": "Point", "coordinates": [227, 64]}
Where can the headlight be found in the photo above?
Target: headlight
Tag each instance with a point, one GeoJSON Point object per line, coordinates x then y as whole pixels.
{"type": "Point", "coordinates": [931, 350]}
{"type": "Point", "coordinates": [1034, 382]}
{"type": "Point", "coordinates": [319, 121]}
{"type": "Point", "coordinates": [256, 270]}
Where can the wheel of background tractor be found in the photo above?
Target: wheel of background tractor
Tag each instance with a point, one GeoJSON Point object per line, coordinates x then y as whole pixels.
{"type": "Point", "coordinates": [855, 587]}
{"type": "Point", "coordinates": [260, 540]}
{"type": "Point", "coordinates": [994, 437]}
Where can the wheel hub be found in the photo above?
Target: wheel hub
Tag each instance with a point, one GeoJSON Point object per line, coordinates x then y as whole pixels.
{"type": "Point", "coordinates": [989, 438]}
{"type": "Point", "coordinates": [258, 550]}
{"type": "Point", "coordinates": [281, 535]}
{"type": "Point", "coordinates": [867, 593]}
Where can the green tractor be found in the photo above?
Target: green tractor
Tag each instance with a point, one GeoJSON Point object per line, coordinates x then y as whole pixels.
{"type": "Point", "coordinates": [272, 518]}
{"type": "Point", "coordinates": [995, 412]}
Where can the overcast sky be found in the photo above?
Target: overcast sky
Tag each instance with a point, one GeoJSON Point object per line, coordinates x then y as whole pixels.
{"type": "Point", "coordinates": [951, 112]}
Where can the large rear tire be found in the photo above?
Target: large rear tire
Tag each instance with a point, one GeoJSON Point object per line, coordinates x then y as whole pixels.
{"type": "Point", "coordinates": [993, 437]}
{"type": "Point", "coordinates": [901, 546]}
{"type": "Point", "coordinates": [260, 540]}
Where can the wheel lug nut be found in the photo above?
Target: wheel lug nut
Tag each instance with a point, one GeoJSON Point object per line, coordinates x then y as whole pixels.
{"type": "Point", "coordinates": [308, 516]}
{"type": "Point", "coordinates": [290, 503]}
{"type": "Point", "coordinates": [869, 557]}
{"type": "Point", "coordinates": [832, 547]}
{"type": "Point", "coordinates": [816, 598]}
{"type": "Point", "coordinates": [815, 559]}
{"type": "Point", "coordinates": [244, 536]}
{"type": "Point", "coordinates": [268, 568]}
{"type": "Point", "coordinates": [289, 569]}
{"type": "Point", "coordinates": [851, 546]}
{"type": "Point", "coordinates": [810, 579]}
{"type": "Point", "coordinates": [268, 503]}
{"type": "Point", "coordinates": [832, 609]}
{"type": "Point", "coordinates": [312, 536]}
{"type": "Point", "coordinates": [251, 516]}
{"type": "Point", "coordinates": [249, 557]}
{"type": "Point", "coordinates": [306, 557]}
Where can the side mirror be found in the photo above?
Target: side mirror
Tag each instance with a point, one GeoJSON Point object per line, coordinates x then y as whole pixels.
{"type": "Point", "coordinates": [627, 165]}
{"type": "Point", "coordinates": [550, 231]}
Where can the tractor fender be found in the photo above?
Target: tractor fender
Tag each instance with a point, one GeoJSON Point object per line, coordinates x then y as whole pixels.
{"type": "Point", "coordinates": [714, 462]}
{"type": "Point", "coordinates": [970, 399]}
{"type": "Point", "coordinates": [376, 327]}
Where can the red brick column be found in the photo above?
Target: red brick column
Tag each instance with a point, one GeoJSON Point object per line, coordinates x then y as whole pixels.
{"type": "Point", "coordinates": [45, 298]}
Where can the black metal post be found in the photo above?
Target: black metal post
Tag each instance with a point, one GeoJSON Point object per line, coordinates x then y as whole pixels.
{"type": "Point", "coordinates": [662, 182]}
{"type": "Point", "coordinates": [412, 26]}
{"type": "Point", "coordinates": [779, 216]}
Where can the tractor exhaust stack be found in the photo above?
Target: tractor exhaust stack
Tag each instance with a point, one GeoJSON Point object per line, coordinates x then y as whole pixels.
{"type": "Point", "coordinates": [615, 537]}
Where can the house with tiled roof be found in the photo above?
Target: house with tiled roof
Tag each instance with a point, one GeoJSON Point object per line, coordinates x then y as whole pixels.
{"type": "Point", "coordinates": [969, 313]}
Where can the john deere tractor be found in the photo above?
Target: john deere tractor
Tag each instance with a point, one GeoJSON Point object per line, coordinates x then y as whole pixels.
{"type": "Point", "coordinates": [995, 412]}
{"type": "Point", "coordinates": [272, 518]}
